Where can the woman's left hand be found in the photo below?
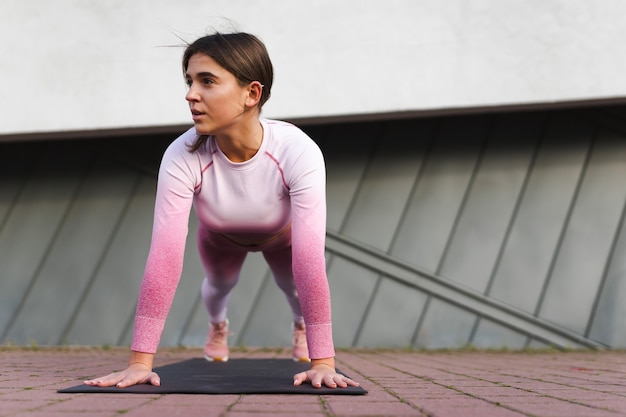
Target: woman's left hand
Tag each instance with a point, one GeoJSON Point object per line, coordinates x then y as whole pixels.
{"type": "Point", "coordinates": [323, 374]}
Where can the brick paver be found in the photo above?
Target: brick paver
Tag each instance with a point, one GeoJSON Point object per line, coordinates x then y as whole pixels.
{"type": "Point", "coordinates": [400, 383]}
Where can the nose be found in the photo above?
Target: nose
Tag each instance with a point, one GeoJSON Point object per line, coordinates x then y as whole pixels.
{"type": "Point", "coordinates": [192, 94]}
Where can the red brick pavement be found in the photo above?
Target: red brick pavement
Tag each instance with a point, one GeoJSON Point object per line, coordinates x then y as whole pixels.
{"type": "Point", "coordinates": [400, 383]}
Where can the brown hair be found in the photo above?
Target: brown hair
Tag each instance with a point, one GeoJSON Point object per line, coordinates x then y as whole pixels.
{"type": "Point", "coordinates": [242, 54]}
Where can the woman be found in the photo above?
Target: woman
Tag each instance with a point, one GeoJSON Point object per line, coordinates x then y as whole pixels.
{"type": "Point", "coordinates": [255, 185]}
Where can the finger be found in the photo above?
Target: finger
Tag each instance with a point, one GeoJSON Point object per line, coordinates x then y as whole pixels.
{"type": "Point", "coordinates": [128, 380]}
{"type": "Point", "coordinates": [153, 379]}
{"type": "Point", "coordinates": [298, 379]}
{"type": "Point", "coordinates": [104, 382]}
{"type": "Point", "coordinates": [319, 380]}
{"type": "Point", "coordinates": [340, 380]}
{"type": "Point", "coordinates": [329, 380]}
{"type": "Point", "coordinates": [343, 381]}
{"type": "Point", "coordinates": [316, 380]}
{"type": "Point", "coordinates": [351, 382]}
{"type": "Point", "coordinates": [94, 381]}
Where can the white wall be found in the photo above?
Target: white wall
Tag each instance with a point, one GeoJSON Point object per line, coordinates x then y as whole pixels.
{"type": "Point", "coordinates": [91, 64]}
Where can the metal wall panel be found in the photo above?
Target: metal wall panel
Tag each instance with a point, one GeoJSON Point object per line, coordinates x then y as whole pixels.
{"type": "Point", "coordinates": [347, 151]}
{"type": "Point", "coordinates": [437, 315]}
{"type": "Point", "coordinates": [390, 320]}
{"type": "Point", "coordinates": [351, 288]}
{"type": "Point", "coordinates": [489, 335]}
{"type": "Point", "coordinates": [608, 321]}
{"type": "Point", "coordinates": [439, 193]}
{"type": "Point", "coordinates": [74, 256]}
{"type": "Point", "coordinates": [494, 230]}
{"type": "Point", "coordinates": [32, 227]}
{"type": "Point", "coordinates": [528, 253]}
{"type": "Point", "coordinates": [112, 293]}
{"type": "Point", "coordinates": [483, 223]}
{"type": "Point", "coordinates": [587, 241]}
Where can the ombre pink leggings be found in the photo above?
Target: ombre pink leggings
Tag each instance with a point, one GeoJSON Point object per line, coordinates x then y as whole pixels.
{"type": "Point", "coordinates": [223, 259]}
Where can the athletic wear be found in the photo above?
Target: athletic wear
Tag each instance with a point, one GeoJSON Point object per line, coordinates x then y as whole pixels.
{"type": "Point", "coordinates": [300, 350]}
{"type": "Point", "coordinates": [275, 203]}
{"type": "Point", "coordinates": [216, 346]}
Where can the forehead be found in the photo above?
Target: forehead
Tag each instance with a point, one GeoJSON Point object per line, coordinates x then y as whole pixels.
{"type": "Point", "coordinates": [202, 63]}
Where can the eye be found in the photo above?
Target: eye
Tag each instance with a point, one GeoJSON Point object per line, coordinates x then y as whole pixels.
{"type": "Point", "coordinates": [206, 82]}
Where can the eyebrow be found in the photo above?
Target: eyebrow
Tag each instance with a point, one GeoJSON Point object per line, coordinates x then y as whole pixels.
{"type": "Point", "coordinates": [202, 74]}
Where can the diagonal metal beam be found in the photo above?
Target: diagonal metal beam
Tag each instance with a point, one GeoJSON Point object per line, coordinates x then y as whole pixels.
{"type": "Point", "coordinates": [477, 303]}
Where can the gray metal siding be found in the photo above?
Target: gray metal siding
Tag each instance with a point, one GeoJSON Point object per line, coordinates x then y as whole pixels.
{"type": "Point", "coordinates": [496, 230]}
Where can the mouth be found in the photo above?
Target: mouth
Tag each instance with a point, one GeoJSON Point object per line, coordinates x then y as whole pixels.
{"type": "Point", "coordinates": [195, 114]}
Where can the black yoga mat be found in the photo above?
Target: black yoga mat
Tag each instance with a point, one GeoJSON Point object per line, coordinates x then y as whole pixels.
{"type": "Point", "coordinates": [237, 376]}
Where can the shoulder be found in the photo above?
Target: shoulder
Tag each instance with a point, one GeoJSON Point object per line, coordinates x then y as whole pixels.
{"type": "Point", "coordinates": [180, 150]}
{"type": "Point", "coordinates": [286, 137]}
{"type": "Point", "coordinates": [299, 157]}
{"type": "Point", "coordinates": [280, 129]}
{"type": "Point", "coordinates": [178, 161]}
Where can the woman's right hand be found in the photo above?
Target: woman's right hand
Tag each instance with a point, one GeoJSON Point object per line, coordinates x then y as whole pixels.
{"type": "Point", "coordinates": [136, 373]}
{"type": "Point", "coordinates": [139, 371]}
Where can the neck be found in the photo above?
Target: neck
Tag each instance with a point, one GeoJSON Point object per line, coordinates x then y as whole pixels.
{"type": "Point", "coordinates": [244, 143]}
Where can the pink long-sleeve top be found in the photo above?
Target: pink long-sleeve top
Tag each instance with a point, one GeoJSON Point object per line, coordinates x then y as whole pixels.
{"type": "Point", "coordinates": [283, 184]}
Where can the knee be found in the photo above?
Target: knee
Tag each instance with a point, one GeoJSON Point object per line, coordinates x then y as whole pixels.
{"type": "Point", "coordinates": [213, 285]}
{"type": "Point", "coordinates": [285, 282]}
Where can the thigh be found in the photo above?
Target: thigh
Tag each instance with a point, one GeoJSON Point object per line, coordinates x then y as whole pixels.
{"type": "Point", "coordinates": [280, 261]}
{"type": "Point", "coordinates": [220, 257]}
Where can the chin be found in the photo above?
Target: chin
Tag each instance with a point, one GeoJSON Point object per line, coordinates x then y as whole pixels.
{"type": "Point", "coordinates": [202, 131]}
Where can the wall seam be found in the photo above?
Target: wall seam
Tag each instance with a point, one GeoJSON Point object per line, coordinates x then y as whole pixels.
{"type": "Point", "coordinates": [46, 254]}
{"type": "Point", "coordinates": [99, 263]}
{"type": "Point", "coordinates": [564, 228]}
{"type": "Point", "coordinates": [514, 214]}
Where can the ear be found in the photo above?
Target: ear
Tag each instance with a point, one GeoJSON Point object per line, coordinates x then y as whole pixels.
{"type": "Point", "coordinates": [254, 90]}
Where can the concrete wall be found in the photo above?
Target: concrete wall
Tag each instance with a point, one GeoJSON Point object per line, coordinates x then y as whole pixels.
{"type": "Point", "coordinates": [91, 64]}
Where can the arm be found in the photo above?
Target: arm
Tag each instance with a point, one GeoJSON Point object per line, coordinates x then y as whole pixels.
{"type": "Point", "coordinates": [174, 197]}
{"type": "Point", "coordinates": [163, 269]}
{"type": "Point", "coordinates": [308, 205]}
